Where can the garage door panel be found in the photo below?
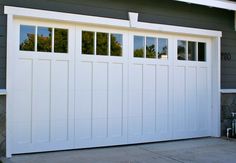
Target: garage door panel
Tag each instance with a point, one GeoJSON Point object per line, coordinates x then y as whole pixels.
{"type": "Point", "coordinates": [84, 101]}
{"type": "Point", "coordinates": [23, 103]}
{"type": "Point", "coordinates": [203, 98]}
{"type": "Point", "coordinates": [100, 100]}
{"type": "Point", "coordinates": [135, 121]}
{"type": "Point", "coordinates": [100, 107]}
{"type": "Point", "coordinates": [149, 99]}
{"type": "Point", "coordinates": [163, 111]}
{"type": "Point", "coordinates": [42, 102]}
{"type": "Point", "coordinates": [179, 121]}
{"type": "Point", "coordinates": [115, 109]}
{"type": "Point", "coordinates": [60, 101]}
{"type": "Point", "coordinates": [191, 98]}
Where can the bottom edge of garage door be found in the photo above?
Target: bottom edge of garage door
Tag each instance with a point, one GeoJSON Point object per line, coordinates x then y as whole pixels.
{"type": "Point", "coordinates": [23, 150]}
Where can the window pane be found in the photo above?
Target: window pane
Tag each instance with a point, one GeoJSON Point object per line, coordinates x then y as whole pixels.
{"type": "Point", "coordinates": [191, 51]}
{"type": "Point", "coordinates": [87, 42]}
{"type": "Point", "coordinates": [138, 46]}
{"type": "Point", "coordinates": [27, 38]}
{"type": "Point", "coordinates": [163, 48]}
{"type": "Point", "coordinates": [181, 50]}
{"type": "Point", "coordinates": [151, 47]}
{"type": "Point", "coordinates": [60, 40]}
{"type": "Point", "coordinates": [116, 44]}
{"type": "Point", "coordinates": [102, 43]}
{"type": "Point", "coordinates": [44, 39]}
{"type": "Point", "coordinates": [201, 51]}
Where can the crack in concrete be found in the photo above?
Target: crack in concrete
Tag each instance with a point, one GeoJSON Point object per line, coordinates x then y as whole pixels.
{"type": "Point", "coordinates": [161, 155]}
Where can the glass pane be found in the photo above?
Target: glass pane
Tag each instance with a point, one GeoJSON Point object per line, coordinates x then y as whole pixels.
{"type": "Point", "coordinates": [201, 51]}
{"type": "Point", "coordinates": [102, 43]}
{"type": "Point", "coordinates": [163, 48]}
{"type": "Point", "coordinates": [60, 40]}
{"type": "Point", "coordinates": [116, 44]}
{"type": "Point", "coordinates": [44, 39]}
{"type": "Point", "coordinates": [181, 50]}
{"type": "Point", "coordinates": [138, 46]}
{"type": "Point", "coordinates": [27, 38]}
{"type": "Point", "coordinates": [87, 42]}
{"type": "Point", "coordinates": [151, 47]}
{"type": "Point", "coordinates": [191, 51]}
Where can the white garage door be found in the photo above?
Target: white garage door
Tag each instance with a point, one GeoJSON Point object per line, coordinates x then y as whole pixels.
{"type": "Point", "coordinates": [77, 86]}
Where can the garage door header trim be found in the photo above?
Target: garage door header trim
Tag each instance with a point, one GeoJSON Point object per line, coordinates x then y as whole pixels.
{"type": "Point", "coordinates": [132, 23]}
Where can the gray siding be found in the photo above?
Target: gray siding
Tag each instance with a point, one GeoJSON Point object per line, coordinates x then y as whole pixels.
{"type": "Point", "coordinates": [2, 125]}
{"type": "Point", "coordinates": [156, 11]}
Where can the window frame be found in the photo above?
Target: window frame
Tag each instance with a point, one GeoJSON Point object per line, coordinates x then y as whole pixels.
{"type": "Point", "coordinates": [197, 40]}
{"type": "Point", "coordinates": [157, 36]}
{"type": "Point", "coordinates": [37, 24]}
{"type": "Point", "coordinates": [98, 30]}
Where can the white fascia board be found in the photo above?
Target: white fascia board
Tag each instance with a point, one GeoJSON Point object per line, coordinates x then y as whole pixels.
{"type": "Point", "coordinates": [228, 91]}
{"type": "Point", "coordinates": [223, 4]}
{"type": "Point", "coordinates": [95, 20]}
{"type": "Point", "coordinates": [178, 29]}
{"type": "Point", "coordinates": [3, 92]}
{"type": "Point", "coordinates": [60, 16]}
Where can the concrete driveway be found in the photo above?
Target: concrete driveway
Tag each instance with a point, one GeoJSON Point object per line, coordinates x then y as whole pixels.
{"type": "Point", "coordinates": [205, 150]}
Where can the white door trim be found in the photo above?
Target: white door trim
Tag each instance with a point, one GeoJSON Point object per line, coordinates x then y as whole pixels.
{"type": "Point", "coordinates": [77, 18]}
{"type": "Point", "coordinates": [16, 12]}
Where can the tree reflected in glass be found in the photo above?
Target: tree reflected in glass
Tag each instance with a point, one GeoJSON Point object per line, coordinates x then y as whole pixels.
{"type": "Point", "coordinates": [44, 39]}
{"type": "Point", "coordinates": [60, 40]}
{"type": "Point", "coordinates": [27, 38]}
{"type": "Point", "coordinates": [116, 45]}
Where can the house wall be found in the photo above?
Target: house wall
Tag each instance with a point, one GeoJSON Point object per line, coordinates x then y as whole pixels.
{"type": "Point", "coordinates": [228, 105]}
{"type": "Point", "coordinates": [156, 11]}
{"type": "Point", "coordinates": [2, 124]}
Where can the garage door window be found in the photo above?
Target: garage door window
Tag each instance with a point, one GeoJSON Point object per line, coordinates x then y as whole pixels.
{"type": "Point", "coordinates": [116, 44]}
{"type": "Point", "coordinates": [181, 50]}
{"type": "Point", "coordinates": [151, 43]}
{"type": "Point", "coordinates": [139, 46]}
{"type": "Point", "coordinates": [60, 40]}
{"type": "Point", "coordinates": [154, 47]}
{"type": "Point", "coordinates": [107, 44]}
{"type": "Point", "coordinates": [27, 38]}
{"type": "Point", "coordinates": [191, 51]}
{"type": "Point", "coordinates": [102, 43]}
{"type": "Point", "coordinates": [162, 48]}
{"type": "Point", "coordinates": [44, 39]}
{"type": "Point", "coordinates": [87, 42]}
{"type": "Point", "coordinates": [201, 51]}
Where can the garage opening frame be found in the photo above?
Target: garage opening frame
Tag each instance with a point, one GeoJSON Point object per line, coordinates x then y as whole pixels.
{"type": "Point", "coordinates": [17, 12]}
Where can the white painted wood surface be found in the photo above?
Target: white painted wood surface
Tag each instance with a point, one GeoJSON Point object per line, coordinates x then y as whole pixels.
{"type": "Point", "coordinates": [3, 92]}
{"type": "Point", "coordinates": [70, 101]}
{"type": "Point", "coordinates": [103, 21]}
{"type": "Point", "coordinates": [228, 91]}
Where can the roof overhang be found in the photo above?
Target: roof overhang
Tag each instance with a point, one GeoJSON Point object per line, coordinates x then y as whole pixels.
{"type": "Point", "coordinates": [223, 4]}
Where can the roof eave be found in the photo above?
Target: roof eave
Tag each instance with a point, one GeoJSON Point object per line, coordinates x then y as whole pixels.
{"type": "Point", "coordinates": [223, 4]}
